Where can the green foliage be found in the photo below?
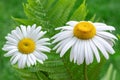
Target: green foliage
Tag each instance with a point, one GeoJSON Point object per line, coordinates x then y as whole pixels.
{"type": "Point", "coordinates": [50, 14]}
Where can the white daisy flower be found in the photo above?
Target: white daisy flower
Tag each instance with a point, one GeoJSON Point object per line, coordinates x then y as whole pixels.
{"type": "Point", "coordinates": [26, 46]}
{"type": "Point", "coordinates": [86, 40]}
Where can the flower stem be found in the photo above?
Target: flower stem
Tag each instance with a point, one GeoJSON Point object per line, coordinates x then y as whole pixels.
{"type": "Point", "coordinates": [85, 72]}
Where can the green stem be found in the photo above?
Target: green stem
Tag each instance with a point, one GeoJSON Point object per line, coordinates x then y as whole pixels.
{"type": "Point", "coordinates": [85, 72]}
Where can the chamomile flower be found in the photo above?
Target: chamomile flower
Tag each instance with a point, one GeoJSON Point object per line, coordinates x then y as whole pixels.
{"type": "Point", "coordinates": [25, 45]}
{"type": "Point", "coordinates": [86, 40]}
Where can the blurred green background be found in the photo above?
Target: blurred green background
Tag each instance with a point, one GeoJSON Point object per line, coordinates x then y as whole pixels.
{"type": "Point", "coordinates": [107, 10]}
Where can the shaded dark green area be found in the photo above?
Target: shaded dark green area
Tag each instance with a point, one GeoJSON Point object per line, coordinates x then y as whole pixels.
{"type": "Point", "coordinates": [107, 10]}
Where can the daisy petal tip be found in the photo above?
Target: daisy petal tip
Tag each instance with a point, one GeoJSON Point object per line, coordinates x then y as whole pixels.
{"type": "Point", "coordinates": [107, 57]}
{"type": "Point", "coordinates": [116, 38]}
{"type": "Point", "coordinates": [87, 63]}
{"type": "Point", "coordinates": [52, 38]}
{"type": "Point", "coordinates": [49, 50]}
{"type": "Point", "coordinates": [6, 37]}
{"type": "Point", "coordinates": [112, 53]}
{"type": "Point", "coordinates": [34, 25]}
{"type": "Point", "coordinates": [69, 22]}
{"type": "Point", "coordinates": [12, 63]}
{"type": "Point", "coordinates": [57, 28]}
{"type": "Point", "coordinates": [46, 58]}
{"type": "Point", "coordinates": [74, 61]}
{"type": "Point", "coordinates": [3, 49]}
{"type": "Point", "coordinates": [53, 43]}
{"type": "Point", "coordinates": [42, 62]}
{"type": "Point", "coordinates": [53, 49]}
{"type": "Point", "coordinates": [5, 55]}
{"type": "Point", "coordinates": [98, 61]}
{"type": "Point", "coordinates": [61, 55]}
{"type": "Point", "coordinates": [71, 59]}
{"type": "Point", "coordinates": [45, 32]}
{"type": "Point", "coordinates": [78, 64]}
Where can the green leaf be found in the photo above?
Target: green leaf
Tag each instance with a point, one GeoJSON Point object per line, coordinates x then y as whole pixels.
{"type": "Point", "coordinates": [80, 13]}
{"type": "Point", "coordinates": [23, 21]}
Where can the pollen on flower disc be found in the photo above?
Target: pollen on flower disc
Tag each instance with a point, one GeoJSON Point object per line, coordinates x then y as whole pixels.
{"type": "Point", "coordinates": [84, 30]}
{"type": "Point", "coordinates": [26, 46]}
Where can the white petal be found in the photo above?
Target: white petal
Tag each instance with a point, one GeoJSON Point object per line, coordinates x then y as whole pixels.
{"type": "Point", "coordinates": [11, 40]}
{"type": "Point", "coordinates": [107, 46]}
{"type": "Point", "coordinates": [30, 61]}
{"type": "Point", "coordinates": [24, 30]}
{"type": "Point", "coordinates": [13, 36]}
{"type": "Point", "coordinates": [33, 27]}
{"type": "Point", "coordinates": [28, 31]}
{"type": "Point", "coordinates": [38, 36]}
{"type": "Point", "coordinates": [99, 24]}
{"type": "Point", "coordinates": [76, 53]}
{"type": "Point", "coordinates": [24, 60]}
{"type": "Point", "coordinates": [81, 55]}
{"type": "Point", "coordinates": [87, 60]}
{"type": "Point", "coordinates": [102, 28]}
{"type": "Point", "coordinates": [35, 34]}
{"type": "Point", "coordinates": [61, 33]}
{"type": "Point", "coordinates": [110, 41]}
{"type": "Point", "coordinates": [11, 52]}
{"type": "Point", "coordinates": [67, 46]}
{"type": "Point", "coordinates": [44, 44]}
{"type": "Point", "coordinates": [72, 23]}
{"type": "Point", "coordinates": [90, 52]}
{"type": "Point", "coordinates": [38, 29]}
{"type": "Point", "coordinates": [62, 44]}
{"type": "Point", "coordinates": [18, 31]}
{"type": "Point", "coordinates": [15, 59]}
{"type": "Point", "coordinates": [40, 61]}
{"type": "Point", "coordinates": [8, 47]}
{"type": "Point", "coordinates": [72, 53]}
{"type": "Point", "coordinates": [95, 51]}
{"type": "Point", "coordinates": [11, 43]}
{"type": "Point", "coordinates": [43, 48]}
{"type": "Point", "coordinates": [20, 62]}
{"type": "Point", "coordinates": [101, 47]}
{"type": "Point", "coordinates": [40, 56]}
{"type": "Point", "coordinates": [16, 35]}
{"type": "Point", "coordinates": [33, 58]}
{"type": "Point", "coordinates": [42, 40]}
{"type": "Point", "coordinates": [106, 35]}
{"type": "Point", "coordinates": [64, 28]}
{"type": "Point", "coordinates": [63, 36]}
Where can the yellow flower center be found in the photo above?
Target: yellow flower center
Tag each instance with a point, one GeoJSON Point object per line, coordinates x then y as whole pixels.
{"type": "Point", "coordinates": [26, 46]}
{"type": "Point", "coordinates": [84, 30]}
